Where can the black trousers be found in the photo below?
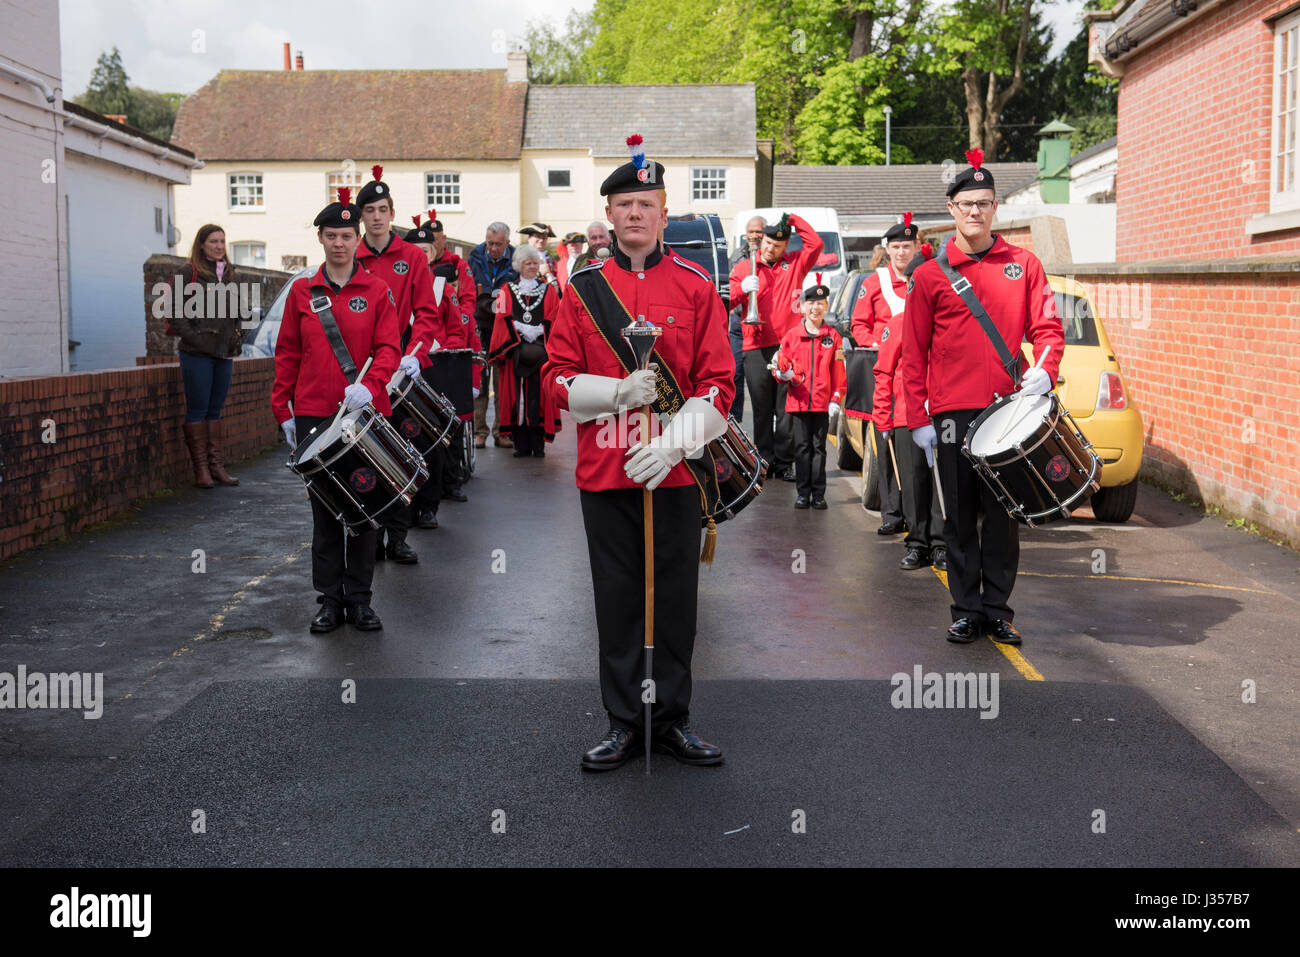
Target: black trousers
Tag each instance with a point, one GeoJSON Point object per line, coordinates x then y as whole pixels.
{"type": "Point", "coordinates": [762, 398]}
{"type": "Point", "coordinates": [891, 502]}
{"type": "Point", "coordinates": [529, 439]}
{"type": "Point", "coordinates": [810, 452]}
{"type": "Point", "coordinates": [920, 505]}
{"type": "Point", "coordinates": [982, 555]}
{"type": "Point", "coordinates": [783, 435]}
{"type": "Point", "coordinates": [342, 565]}
{"type": "Point", "coordinates": [615, 543]}
{"type": "Point", "coordinates": [396, 521]}
{"type": "Point", "coordinates": [430, 493]}
{"type": "Point", "coordinates": [738, 354]}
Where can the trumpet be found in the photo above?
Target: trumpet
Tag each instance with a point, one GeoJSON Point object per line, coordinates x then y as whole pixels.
{"type": "Point", "coordinates": [751, 317]}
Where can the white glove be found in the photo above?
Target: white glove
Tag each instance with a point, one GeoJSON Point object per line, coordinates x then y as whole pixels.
{"type": "Point", "coordinates": [927, 439]}
{"type": "Point", "coordinates": [696, 425]}
{"type": "Point", "coordinates": [834, 409]}
{"type": "Point", "coordinates": [355, 396]}
{"type": "Point", "coordinates": [520, 327]}
{"type": "Point", "coordinates": [591, 396]}
{"type": "Point", "coordinates": [785, 375]}
{"type": "Point", "coordinates": [290, 432]}
{"type": "Point", "coordinates": [476, 393]}
{"type": "Point", "coordinates": [749, 284]}
{"type": "Point", "coordinates": [636, 390]}
{"type": "Point", "coordinates": [1036, 382]}
{"type": "Point", "coordinates": [410, 365]}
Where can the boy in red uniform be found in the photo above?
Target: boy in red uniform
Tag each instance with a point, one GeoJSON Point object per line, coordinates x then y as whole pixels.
{"type": "Point", "coordinates": [404, 268]}
{"type": "Point", "coordinates": [308, 374]}
{"type": "Point", "coordinates": [814, 378]}
{"type": "Point", "coordinates": [588, 374]}
{"type": "Point", "coordinates": [950, 363]}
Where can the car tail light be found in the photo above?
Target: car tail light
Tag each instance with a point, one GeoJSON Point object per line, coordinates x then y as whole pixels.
{"type": "Point", "coordinates": [1110, 393]}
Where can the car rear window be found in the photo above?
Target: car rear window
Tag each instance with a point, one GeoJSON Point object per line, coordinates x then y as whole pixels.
{"type": "Point", "coordinates": [1077, 320]}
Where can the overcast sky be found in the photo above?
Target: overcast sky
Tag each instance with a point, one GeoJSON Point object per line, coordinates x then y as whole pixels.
{"type": "Point", "coordinates": [160, 49]}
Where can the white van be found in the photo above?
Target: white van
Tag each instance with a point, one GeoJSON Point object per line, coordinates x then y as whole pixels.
{"type": "Point", "coordinates": [825, 220]}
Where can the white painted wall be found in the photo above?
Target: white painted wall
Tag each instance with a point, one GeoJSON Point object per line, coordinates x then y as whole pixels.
{"type": "Point", "coordinates": [104, 277]}
{"type": "Point", "coordinates": [33, 280]}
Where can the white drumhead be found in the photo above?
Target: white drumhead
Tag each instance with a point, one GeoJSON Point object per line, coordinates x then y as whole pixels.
{"type": "Point", "coordinates": [327, 437]}
{"type": "Point", "coordinates": [1011, 424]}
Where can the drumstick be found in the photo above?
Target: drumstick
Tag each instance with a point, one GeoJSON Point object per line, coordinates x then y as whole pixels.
{"type": "Point", "coordinates": [343, 405]}
{"type": "Point", "coordinates": [938, 488]}
{"type": "Point", "coordinates": [1014, 419]}
{"type": "Point", "coordinates": [414, 350]}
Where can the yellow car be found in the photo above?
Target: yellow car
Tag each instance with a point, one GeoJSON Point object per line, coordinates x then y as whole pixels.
{"type": "Point", "coordinates": [1091, 388]}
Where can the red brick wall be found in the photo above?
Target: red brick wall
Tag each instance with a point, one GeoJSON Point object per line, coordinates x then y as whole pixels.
{"type": "Point", "coordinates": [1194, 122]}
{"type": "Point", "coordinates": [1213, 362]}
{"type": "Point", "coordinates": [117, 439]}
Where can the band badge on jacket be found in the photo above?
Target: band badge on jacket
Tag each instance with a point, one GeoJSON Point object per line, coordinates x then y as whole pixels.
{"type": "Point", "coordinates": [401, 267]}
{"type": "Point", "coordinates": [1013, 270]}
{"type": "Point", "coordinates": [827, 342]}
{"type": "Point", "coordinates": [358, 304]}
{"type": "Point", "coordinates": [884, 336]}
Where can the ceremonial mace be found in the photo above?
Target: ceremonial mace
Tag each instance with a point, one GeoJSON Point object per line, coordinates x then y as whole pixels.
{"type": "Point", "coordinates": [640, 336]}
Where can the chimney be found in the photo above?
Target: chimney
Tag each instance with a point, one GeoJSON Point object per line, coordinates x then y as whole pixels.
{"type": "Point", "coordinates": [116, 117]}
{"type": "Point", "coordinates": [517, 66]}
{"type": "Point", "coordinates": [298, 60]}
{"type": "Point", "coordinates": [287, 64]}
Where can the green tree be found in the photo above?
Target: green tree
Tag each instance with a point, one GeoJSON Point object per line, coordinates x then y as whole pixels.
{"type": "Point", "coordinates": [556, 52]}
{"type": "Point", "coordinates": [153, 113]}
{"type": "Point", "coordinates": [108, 91]}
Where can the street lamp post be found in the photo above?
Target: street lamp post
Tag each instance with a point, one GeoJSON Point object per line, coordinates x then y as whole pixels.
{"type": "Point", "coordinates": [888, 111]}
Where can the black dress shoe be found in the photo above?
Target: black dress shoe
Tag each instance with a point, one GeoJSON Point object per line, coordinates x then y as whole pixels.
{"type": "Point", "coordinates": [686, 746]}
{"type": "Point", "coordinates": [819, 503]}
{"type": "Point", "coordinates": [939, 558]}
{"type": "Point", "coordinates": [539, 453]}
{"type": "Point", "coordinates": [520, 454]}
{"type": "Point", "coordinates": [964, 630]}
{"type": "Point", "coordinates": [801, 502]}
{"type": "Point", "coordinates": [891, 528]}
{"type": "Point", "coordinates": [426, 518]}
{"type": "Point", "coordinates": [402, 553]}
{"type": "Point", "coordinates": [327, 619]}
{"type": "Point", "coordinates": [455, 494]}
{"type": "Point", "coordinates": [914, 559]}
{"type": "Point", "coordinates": [618, 745]}
{"type": "Point", "coordinates": [1002, 631]}
{"type": "Point", "coordinates": [363, 618]}
{"type": "Point", "coordinates": [788, 475]}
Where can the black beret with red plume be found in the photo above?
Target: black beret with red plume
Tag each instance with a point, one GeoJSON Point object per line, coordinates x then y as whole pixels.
{"type": "Point", "coordinates": [342, 213]}
{"type": "Point", "coordinates": [973, 177]}
{"type": "Point", "coordinates": [376, 189]}
{"type": "Point", "coordinates": [902, 232]}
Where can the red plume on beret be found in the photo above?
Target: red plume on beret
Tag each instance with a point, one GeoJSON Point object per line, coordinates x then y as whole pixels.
{"type": "Point", "coordinates": [433, 215]}
{"type": "Point", "coordinates": [634, 140]}
{"type": "Point", "coordinates": [416, 220]}
{"type": "Point", "coordinates": [907, 220]}
{"type": "Point", "coordinates": [345, 195]}
{"type": "Point", "coordinates": [377, 172]}
{"type": "Point", "coordinates": [975, 158]}
{"type": "Point", "coordinates": [819, 279]}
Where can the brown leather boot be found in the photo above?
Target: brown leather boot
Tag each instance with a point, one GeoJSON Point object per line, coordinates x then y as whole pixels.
{"type": "Point", "coordinates": [196, 440]}
{"type": "Point", "coordinates": [214, 454]}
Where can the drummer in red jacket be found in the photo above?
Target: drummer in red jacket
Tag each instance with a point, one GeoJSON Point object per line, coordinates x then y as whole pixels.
{"type": "Point", "coordinates": [587, 373]}
{"type": "Point", "coordinates": [810, 364]}
{"type": "Point", "coordinates": [307, 373]}
{"type": "Point", "coordinates": [951, 372]}
{"type": "Point", "coordinates": [404, 268]}
{"type": "Point", "coordinates": [920, 504]}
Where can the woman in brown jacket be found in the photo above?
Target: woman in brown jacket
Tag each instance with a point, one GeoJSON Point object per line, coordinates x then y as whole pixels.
{"type": "Point", "coordinates": [208, 341]}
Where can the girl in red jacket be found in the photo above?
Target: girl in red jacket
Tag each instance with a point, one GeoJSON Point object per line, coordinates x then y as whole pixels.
{"type": "Point", "coordinates": [810, 362]}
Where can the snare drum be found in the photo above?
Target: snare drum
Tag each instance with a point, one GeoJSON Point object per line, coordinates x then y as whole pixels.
{"type": "Point", "coordinates": [359, 467]}
{"type": "Point", "coordinates": [423, 416]}
{"type": "Point", "coordinates": [1028, 450]}
{"type": "Point", "coordinates": [730, 471]}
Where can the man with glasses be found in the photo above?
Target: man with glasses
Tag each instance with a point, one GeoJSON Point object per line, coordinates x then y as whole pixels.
{"type": "Point", "coordinates": [951, 372]}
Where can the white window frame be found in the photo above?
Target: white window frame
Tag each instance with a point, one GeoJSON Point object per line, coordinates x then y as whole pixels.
{"type": "Point", "coordinates": [354, 180]}
{"type": "Point", "coordinates": [430, 202]}
{"type": "Point", "coordinates": [559, 169]}
{"type": "Point", "coordinates": [726, 184]}
{"type": "Point", "coordinates": [261, 187]}
{"type": "Point", "coordinates": [1282, 200]}
{"type": "Point", "coordinates": [248, 242]}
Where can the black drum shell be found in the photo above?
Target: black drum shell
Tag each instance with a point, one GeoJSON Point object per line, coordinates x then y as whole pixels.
{"type": "Point", "coordinates": [421, 415]}
{"type": "Point", "coordinates": [738, 470]}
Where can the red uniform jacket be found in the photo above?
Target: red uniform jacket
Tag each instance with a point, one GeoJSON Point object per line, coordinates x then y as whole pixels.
{"type": "Point", "coordinates": [873, 310]}
{"type": "Point", "coordinates": [947, 358]}
{"type": "Point", "coordinates": [888, 406]}
{"type": "Point", "coordinates": [778, 289]}
{"type": "Point", "coordinates": [405, 270]}
{"type": "Point", "coordinates": [505, 339]}
{"type": "Point", "coordinates": [818, 374]}
{"type": "Point", "coordinates": [679, 298]}
{"type": "Point", "coordinates": [306, 369]}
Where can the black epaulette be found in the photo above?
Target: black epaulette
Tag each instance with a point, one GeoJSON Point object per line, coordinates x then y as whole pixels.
{"type": "Point", "coordinates": [693, 268]}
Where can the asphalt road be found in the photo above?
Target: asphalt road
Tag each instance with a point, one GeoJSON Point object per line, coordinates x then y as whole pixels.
{"type": "Point", "coordinates": [1118, 735]}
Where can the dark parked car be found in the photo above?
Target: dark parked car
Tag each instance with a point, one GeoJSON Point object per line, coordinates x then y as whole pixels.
{"type": "Point", "coordinates": [698, 237]}
{"type": "Point", "coordinates": [260, 343]}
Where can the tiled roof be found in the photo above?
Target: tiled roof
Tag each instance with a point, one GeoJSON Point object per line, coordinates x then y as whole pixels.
{"type": "Point", "coordinates": [714, 120]}
{"type": "Point", "coordinates": [883, 190]}
{"type": "Point", "coordinates": [335, 114]}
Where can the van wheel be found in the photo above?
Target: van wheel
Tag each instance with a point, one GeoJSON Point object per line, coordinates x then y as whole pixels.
{"type": "Point", "coordinates": [845, 457]}
{"type": "Point", "coordinates": [871, 481]}
{"type": "Point", "coordinates": [1115, 504]}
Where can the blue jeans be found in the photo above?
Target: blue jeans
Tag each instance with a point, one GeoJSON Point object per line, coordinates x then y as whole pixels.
{"type": "Point", "coordinates": [206, 383]}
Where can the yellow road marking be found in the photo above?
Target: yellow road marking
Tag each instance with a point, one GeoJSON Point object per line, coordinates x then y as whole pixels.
{"type": "Point", "coordinates": [1163, 581]}
{"type": "Point", "coordinates": [1018, 661]}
